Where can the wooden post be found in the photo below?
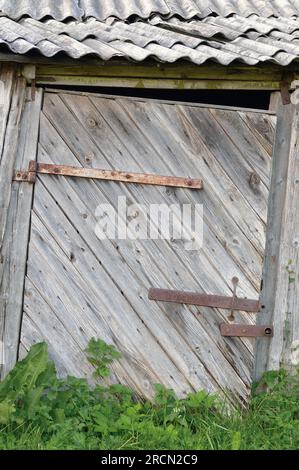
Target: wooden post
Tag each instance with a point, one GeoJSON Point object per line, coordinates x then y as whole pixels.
{"type": "Point", "coordinates": [280, 291]}
{"type": "Point", "coordinates": [274, 101]}
{"type": "Point", "coordinates": [18, 145]}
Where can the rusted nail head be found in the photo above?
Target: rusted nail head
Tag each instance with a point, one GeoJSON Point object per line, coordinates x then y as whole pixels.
{"type": "Point", "coordinates": [91, 122]}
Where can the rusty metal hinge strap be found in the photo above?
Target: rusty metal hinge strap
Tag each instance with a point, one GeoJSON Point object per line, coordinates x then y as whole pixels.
{"type": "Point", "coordinates": [108, 175]}
{"type": "Point", "coordinates": [204, 300]}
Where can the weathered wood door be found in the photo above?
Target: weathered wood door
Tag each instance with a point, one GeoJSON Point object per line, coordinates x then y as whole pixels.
{"type": "Point", "coordinates": [79, 286]}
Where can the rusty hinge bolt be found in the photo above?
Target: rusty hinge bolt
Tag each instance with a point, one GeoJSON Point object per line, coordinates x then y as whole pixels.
{"type": "Point", "coordinates": [27, 176]}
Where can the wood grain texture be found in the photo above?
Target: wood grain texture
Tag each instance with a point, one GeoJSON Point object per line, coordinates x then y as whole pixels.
{"type": "Point", "coordinates": [90, 287]}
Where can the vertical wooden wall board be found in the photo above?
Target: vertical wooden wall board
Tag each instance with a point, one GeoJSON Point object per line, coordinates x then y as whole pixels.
{"type": "Point", "coordinates": [23, 146]}
{"type": "Point", "coordinates": [7, 79]}
{"type": "Point", "coordinates": [12, 95]}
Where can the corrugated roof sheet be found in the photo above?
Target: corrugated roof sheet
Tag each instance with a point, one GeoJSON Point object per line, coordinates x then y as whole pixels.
{"type": "Point", "coordinates": [123, 9]}
{"type": "Point", "coordinates": [224, 31]}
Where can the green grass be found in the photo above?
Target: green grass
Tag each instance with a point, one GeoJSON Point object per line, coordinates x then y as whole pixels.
{"type": "Point", "coordinates": [39, 411]}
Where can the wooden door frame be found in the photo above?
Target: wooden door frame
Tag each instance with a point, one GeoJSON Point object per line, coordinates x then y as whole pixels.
{"type": "Point", "coordinates": [280, 291]}
{"type": "Point", "coordinates": [19, 145]}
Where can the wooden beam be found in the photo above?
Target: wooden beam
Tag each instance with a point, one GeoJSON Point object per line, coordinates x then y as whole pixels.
{"type": "Point", "coordinates": [168, 76]}
{"type": "Point", "coordinates": [163, 71]}
{"type": "Point", "coordinates": [160, 83]}
{"type": "Point", "coordinates": [280, 291]}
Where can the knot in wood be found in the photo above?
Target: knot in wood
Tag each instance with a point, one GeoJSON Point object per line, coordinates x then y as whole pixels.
{"type": "Point", "coordinates": [254, 179]}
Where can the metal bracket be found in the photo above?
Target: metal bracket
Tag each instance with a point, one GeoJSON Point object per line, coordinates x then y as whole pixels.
{"type": "Point", "coordinates": [249, 331]}
{"type": "Point", "coordinates": [27, 176]}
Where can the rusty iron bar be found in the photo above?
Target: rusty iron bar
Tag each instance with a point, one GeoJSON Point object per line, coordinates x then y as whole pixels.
{"type": "Point", "coordinates": [204, 300]}
{"type": "Point", "coordinates": [246, 331]}
{"type": "Point", "coordinates": [108, 175]}
{"type": "Point", "coordinates": [235, 282]}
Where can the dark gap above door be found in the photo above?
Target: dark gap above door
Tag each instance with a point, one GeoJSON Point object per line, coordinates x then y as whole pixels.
{"type": "Point", "coordinates": [234, 98]}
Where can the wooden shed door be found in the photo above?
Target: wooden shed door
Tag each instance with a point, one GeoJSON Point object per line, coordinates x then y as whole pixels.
{"type": "Point", "coordinates": [79, 286]}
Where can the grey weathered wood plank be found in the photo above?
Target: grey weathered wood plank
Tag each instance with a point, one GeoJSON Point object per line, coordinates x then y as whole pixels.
{"type": "Point", "coordinates": [7, 77]}
{"type": "Point", "coordinates": [250, 148]}
{"type": "Point", "coordinates": [9, 149]}
{"type": "Point", "coordinates": [262, 127]}
{"type": "Point", "coordinates": [229, 156]}
{"type": "Point", "coordinates": [18, 222]}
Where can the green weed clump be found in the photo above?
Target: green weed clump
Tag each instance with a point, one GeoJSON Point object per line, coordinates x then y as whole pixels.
{"type": "Point", "coordinates": [40, 411]}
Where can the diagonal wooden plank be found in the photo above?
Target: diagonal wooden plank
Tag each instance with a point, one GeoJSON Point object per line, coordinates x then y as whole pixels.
{"type": "Point", "coordinates": [263, 128]}
{"type": "Point", "coordinates": [227, 154]}
{"type": "Point", "coordinates": [244, 139]}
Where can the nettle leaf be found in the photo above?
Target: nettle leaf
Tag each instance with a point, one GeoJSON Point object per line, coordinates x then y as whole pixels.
{"type": "Point", "coordinates": [101, 355]}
